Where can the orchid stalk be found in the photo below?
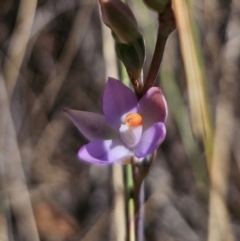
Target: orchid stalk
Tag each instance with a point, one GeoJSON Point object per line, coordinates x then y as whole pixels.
{"type": "Point", "coordinates": [132, 125]}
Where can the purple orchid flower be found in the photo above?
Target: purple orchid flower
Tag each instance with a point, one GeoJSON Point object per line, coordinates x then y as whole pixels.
{"type": "Point", "coordinates": [128, 131]}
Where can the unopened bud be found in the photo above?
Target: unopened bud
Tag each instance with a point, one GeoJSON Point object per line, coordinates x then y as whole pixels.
{"type": "Point", "coordinates": [133, 56]}
{"type": "Point", "coordinates": [157, 5]}
{"type": "Point", "coordinates": [120, 19]}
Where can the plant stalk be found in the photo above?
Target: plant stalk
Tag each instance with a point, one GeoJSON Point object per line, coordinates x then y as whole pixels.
{"type": "Point", "coordinates": [166, 23]}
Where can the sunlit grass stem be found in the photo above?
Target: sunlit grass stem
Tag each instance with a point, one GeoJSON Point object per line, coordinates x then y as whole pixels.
{"type": "Point", "coordinates": [118, 223]}
{"type": "Point", "coordinates": [195, 75]}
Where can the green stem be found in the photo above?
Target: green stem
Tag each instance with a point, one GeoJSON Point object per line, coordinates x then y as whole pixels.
{"type": "Point", "coordinates": [135, 199]}
{"type": "Point", "coordinates": [132, 236]}
{"type": "Point", "coordinates": [130, 203]}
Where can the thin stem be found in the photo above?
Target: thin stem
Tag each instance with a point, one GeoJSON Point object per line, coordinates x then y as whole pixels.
{"type": "Point", "coordinates": [166, 26]}
{"type": "Point", "coordinates": [130, 204]}
{"type": "Point", "coordinates": [140, 228]}
{"type": "Point", "coordinates": [139, 172]}
{"type": "Point", "coordinates": [156, 61]}
{"type": "Point", "coordinates": [139, 211]}
{"type": "Point", "coordinates": [132, 236]}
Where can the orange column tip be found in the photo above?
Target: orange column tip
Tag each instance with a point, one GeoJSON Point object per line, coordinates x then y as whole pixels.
{"type": "Point", "coordinates": [133, 119]}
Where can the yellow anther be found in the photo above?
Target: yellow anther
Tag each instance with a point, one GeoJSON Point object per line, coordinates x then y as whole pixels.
{"type": "Point", "coordinates": [133, 119]}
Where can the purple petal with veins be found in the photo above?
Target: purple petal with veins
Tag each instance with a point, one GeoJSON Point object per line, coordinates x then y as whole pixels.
{"type": "Point", "coordinates": [153, 107]}
{"type": "Point", "coordinates": [118, 101]}
{"type": "Point", "coordinates": [104, 152]}
{"type": "Point", "coordinates": [151, 139]}
{"type": "Point", "coordinates": [93, 126]}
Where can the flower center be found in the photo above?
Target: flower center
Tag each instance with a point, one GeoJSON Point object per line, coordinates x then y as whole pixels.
{"type": "Point", "coordinates": [131, 130]}
{"type": "Point", "coordinates": [133, 119]}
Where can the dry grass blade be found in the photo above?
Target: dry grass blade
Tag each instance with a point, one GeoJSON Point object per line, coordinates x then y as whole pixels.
{"type": "Point", "coordinates": [225, 121]}
{"type": "Point", "coordinates": [3, 228]}
{"type": "Point", "coordinates": [236, 147]}
{"type": "Point", "coordinates": [14, 178]}
{"type": "Point", "coordinates": [19, 43]}
{"type": "Point", "coordinates": [13, 174]}
{"type": "Point", "coordinates": [96, 230]}
{"type": "Point", "coordinates": [48, 12]}
{"type": "Point", "coordinates": [59, 74]}
{"type": "Point", "coordinates": [180, 114]}
{"type": "Point", "coordinates": [118, 221]}
{"type": "Point", "coordinates": [201, 122]}
{"type": "Point", "coordinates": [211, 21]}
{"type": "Point", "coordinates": [43, 151]}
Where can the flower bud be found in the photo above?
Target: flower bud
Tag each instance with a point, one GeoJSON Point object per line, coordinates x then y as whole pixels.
{"type": "Point", "coordinates": [120, 19]}
{"type": "Point", "coordinates": [133, 56]}
{"type": "Point", "coordinates": [157, 5]}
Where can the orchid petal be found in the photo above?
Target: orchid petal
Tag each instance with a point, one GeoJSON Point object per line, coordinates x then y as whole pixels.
{"type": "Point", "coordinates": [153, 107]}
{"type": "Point", "coordinates": [130, 135]}
{"type": "Point", "coordinates": [151, 139]}
{"type": "Point", "coordinates": [118, 101]}
{"type": "Point", "coordinates": [104, 152]}
{"type": "Point", "coordinates": [93, 126]}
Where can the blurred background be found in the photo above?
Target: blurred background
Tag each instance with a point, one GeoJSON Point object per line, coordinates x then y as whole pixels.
{"type": "Point", "coordinates": [53, 54]}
